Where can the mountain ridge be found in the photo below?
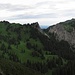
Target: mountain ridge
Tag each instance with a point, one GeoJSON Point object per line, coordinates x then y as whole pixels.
{"type": "Point", "coordinates": [34, 50]}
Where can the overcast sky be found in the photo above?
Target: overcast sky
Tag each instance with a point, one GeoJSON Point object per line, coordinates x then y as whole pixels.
{"type": "Point", "coordinates": [46, 12]}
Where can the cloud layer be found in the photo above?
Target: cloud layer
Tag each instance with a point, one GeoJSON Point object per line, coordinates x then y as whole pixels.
{"type": "Point", "coordinates": [46, 12]}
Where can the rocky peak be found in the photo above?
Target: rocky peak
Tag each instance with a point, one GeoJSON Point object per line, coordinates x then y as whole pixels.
{"type": "Point", "coordinates": [36, 25]}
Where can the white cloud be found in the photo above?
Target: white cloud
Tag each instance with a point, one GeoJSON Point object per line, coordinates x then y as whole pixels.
{"type": "Point", "coordinates": [46, 12]}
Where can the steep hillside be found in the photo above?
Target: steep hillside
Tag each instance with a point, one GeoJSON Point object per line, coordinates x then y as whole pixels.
{"type": "Point", "coordinates": [8, 67]}
{"type": "Point", "coordinates": [64, 31]}
{"type": "Point", "coordinates": [28, 50]}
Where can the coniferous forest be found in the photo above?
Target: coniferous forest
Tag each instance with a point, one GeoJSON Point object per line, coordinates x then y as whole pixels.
{"type": "Point", "coordinates": [29, 50]}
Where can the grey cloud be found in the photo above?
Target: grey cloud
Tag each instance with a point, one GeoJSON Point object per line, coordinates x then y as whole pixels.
{"type": "Point", "coordinates": [24, 16]}
{"type": "Point", "coordinates": [69, 13]}
{"type": "Point", "coordinates": [50, 3]}
{"type": "Point", "coordinates": [44, 2]}
{"type": "Point", "coordinates": [11, 7]}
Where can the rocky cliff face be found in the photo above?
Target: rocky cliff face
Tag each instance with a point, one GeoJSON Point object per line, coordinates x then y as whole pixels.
{"type": "Point", "coordinates": [36, 26]}
{"type": "Point", "coordinates": [64, 31]}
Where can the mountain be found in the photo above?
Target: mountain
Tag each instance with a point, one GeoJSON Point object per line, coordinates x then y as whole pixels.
{"type": "Point", "coordinates": [29, 50]}
{"type": "Point", "coordinates": [64, 31]}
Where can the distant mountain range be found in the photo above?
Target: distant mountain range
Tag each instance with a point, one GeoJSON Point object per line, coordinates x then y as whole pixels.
{"type": "Point", "coordinates": [44, 26]}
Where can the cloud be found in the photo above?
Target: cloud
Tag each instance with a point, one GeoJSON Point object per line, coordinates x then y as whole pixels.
{"type": "Point", "coordinates": [46, 12]}
{"type": "Point", "coordinates": [32, 16]}
{"type": "Point", "coordinates": [10, 7]}
{"type": "Point", "coordinates": [69, 13]}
